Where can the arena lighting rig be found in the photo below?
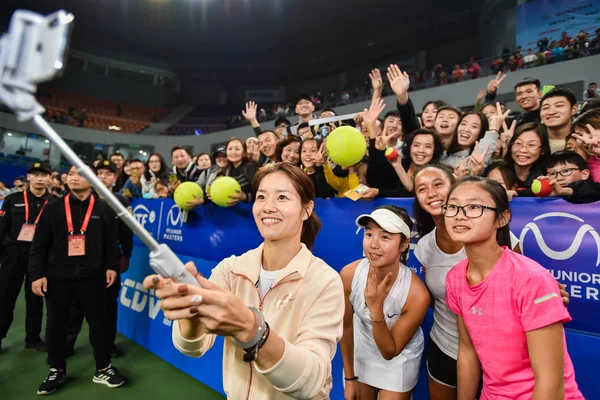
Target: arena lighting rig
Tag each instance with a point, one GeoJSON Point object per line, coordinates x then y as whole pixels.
{"type": "Point", "coordinates": [32, 51]}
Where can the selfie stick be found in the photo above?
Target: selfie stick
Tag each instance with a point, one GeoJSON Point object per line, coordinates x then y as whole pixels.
{"type": "Point", "coordinates": [33, 50]}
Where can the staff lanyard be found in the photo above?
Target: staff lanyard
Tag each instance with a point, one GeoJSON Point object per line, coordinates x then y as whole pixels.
{"type": "Point", "coordinates": [27, 209]}
{"type": "Point", "coordinates": [86, 220]}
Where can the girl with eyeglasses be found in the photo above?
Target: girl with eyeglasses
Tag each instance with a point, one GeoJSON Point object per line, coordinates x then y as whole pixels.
{"type": "Point", "coordinates": [509, 310]}
{"type": "Point", "coordinates": [438, 253]}
{"type": "Point", "coordinates": [527, 153]}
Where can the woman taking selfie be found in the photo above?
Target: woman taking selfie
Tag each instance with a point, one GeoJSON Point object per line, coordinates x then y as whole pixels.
{"type": "Point", "coordinates": [278, 306]}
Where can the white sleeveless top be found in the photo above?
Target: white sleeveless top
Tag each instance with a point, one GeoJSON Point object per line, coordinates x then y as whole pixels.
{"type": "Point", "coordinates": [399, 374]}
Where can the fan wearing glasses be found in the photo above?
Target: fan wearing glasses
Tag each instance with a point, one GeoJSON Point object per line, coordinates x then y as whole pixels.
{"type": "Point", "coordinates": [527, 152]}
{"type": "Point", "coordinates": [570, 178]}
{"type": "Point", "coordinates": [509, 309]}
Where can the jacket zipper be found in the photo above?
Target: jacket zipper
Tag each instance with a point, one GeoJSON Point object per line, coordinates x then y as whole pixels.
{"type": "Point", "coordinates": [260, 306]}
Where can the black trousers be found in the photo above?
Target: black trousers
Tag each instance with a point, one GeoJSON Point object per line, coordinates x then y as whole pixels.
{"type": "Point", "coordinates": [112, 307]}
{"type": "Point", "coordinates": [13, 269]}
{"type": "Point", "coordinates": [90, 295]}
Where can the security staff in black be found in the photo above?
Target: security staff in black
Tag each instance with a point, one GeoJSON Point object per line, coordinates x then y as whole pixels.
{"type": "Point", "coordinates": [74, 256]}
{"type": "Point", "coordinates": [108, 174]}
{"type": "Point", "coordinates": [18, 222]}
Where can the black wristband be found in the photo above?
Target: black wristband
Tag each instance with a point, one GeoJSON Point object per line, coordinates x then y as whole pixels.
{"type": "Point", "coordinates": [351, 379]}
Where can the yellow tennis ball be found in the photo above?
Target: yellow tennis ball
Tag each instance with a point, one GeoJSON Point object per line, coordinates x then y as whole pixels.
{"type": "Point", "coordinates": [186, 192]}
{"type": "Point", "coordinates": [346, 146]}
{"type": "Point", "coordinates": [222, 188]}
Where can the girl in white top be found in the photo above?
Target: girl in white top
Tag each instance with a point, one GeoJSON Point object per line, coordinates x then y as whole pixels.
{"type": "Point", "coordinates": [386, 303]}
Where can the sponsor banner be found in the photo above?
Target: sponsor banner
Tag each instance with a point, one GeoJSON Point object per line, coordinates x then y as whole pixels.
{"type": "Point", "coordinates": [560, 236]}
{"type": "Point", "coordinates": [550, 18]}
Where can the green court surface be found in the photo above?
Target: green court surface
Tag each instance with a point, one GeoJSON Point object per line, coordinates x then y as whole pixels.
{"type": "Point", "coordinates": [149, 377]}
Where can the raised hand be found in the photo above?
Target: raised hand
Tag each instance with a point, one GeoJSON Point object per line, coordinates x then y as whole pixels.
{"type": "Point", "coordinates": [372, 114]}
{"type": "Point", "coordinates": [497, 120]}
{"type": "Point", "coordinates": [321, 156]}
{"type": "Point", "coordinates": [462, 170]}
{"type": "Point", "coordinates": [376, 80]}
{"type": "Point", "coordinates": [250, 112]}
{"type": "Point", "coordinates": [478, 159]}
{"type": "Point", "coordinates": [376, 292]}
{"type": "Point", "coordinates": [399, 82]}
{"type": "Point", "coordinates": [494, 84]}
{"type": "Point", "coordinates": [590, 141]}
{"type": "Point", "coordinates": [481, 95]}
{"type": "Point", "coordinates": [508, 133]}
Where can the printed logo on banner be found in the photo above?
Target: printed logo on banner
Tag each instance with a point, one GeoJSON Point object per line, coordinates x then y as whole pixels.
{"type": "Point", "coordinates": [579, 280]}
{"type": "Point", "coordinates": [135, 297]}
{"type": "Point", "coordinates": [143, 215]}
{"type": "Point", "coordinates": [174, 224]}
{"type": "Point", "coordinates": [573, 248]}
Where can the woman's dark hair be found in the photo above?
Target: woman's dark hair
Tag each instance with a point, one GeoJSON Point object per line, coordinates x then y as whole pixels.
{"type": "Point", "coordinates": [437, 103]}
{"type": "Point", "coordinates": [161, 182]}
{"type": "Point", "coordinates": [235, 139]}
{"type": "Point", "coordinates": [540, 131]}
{"type": "Point", "coordinates": [403, 214]}
{"type": "Point", "coordinates": [591, 117]}
{"type": "Point", "coordinates": [451, 108]}
{"type": "Point", "coordinates": [508, 174]}
{"type": "Point", "coordinates": [454, 146]}
{"type": "Point", "coordinates": [285, 142]}
{"type": "Point", "coordinates": [164, 168]}
{"type": "Point", "coordinates": [423, 220]}
{"type": "Point", "coordinates": [306, 191]}
{"type": "Point", "coordinates": [438, 147]}
{"type": "Point", "coordinates": [202, 154]}
{"type": "Point", "coordinates": [306, 141]}
{"type": "Point", "coordinates": [500, 198]}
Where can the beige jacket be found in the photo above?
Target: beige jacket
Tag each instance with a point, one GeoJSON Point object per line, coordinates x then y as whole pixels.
{"type": "Point", "coordinates": [305, 306]}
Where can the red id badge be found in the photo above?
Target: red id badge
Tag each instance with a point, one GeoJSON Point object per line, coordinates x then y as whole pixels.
{"type": "Point", "coordinates": [76, 245]}
{"type": "Point", "coordinates": [26, 233]}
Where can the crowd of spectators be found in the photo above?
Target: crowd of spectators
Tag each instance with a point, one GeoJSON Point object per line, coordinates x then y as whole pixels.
{"type": "Point", "coordinates": [552, 135]}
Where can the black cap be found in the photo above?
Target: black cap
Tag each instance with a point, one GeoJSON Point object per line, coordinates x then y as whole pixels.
{"type": "Point", "coordinates": [303, 96]}
{"type": "Point", "coordinates": [220, 150]}
{"type": "Point", "coordinates": [39, 166]}
{"type": "Point", "coordinates": [107, 164]}
{"type": "Point", "coordinates": [282, 119]}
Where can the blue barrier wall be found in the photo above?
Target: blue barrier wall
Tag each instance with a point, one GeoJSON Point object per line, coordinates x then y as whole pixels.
{"type": "Point", "coordinates": [560, 236]}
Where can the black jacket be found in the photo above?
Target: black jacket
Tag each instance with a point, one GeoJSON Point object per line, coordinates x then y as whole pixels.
{"type": "Point", "coordinates": [322, 188]}
{"type": "Point", "coordinates": [48, 256]}
{"type": "Point", "coordinates": [584, 192]}
{"type": "Point", "coordinates": [190, 174]}
{"type": "Point", "coordinates": [125, 235]}
{"type": "Point", "coordinates": [520, 117]}
{"type": "Point", "coordinates": [12, 216]}
{"type": "Point", "coordinates": [382, 175]}
{"type": "Point", "coordinates": [244, 174]}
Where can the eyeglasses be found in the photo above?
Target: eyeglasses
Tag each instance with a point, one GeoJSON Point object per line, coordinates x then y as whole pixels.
{"type": "Point", "coordinates": [563, 172]}
{"type": "Point", "coordinates": [469, 210]}
{"type": "Point", "coordinates": [530, 146]}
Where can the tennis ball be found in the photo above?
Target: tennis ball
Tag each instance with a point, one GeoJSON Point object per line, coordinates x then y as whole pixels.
{"type": "Point", "coordinates": [391, 153]}
{"type": "Point", "coordinates": [346, 146]}
{"type": "Point", "coordinates": [186, 192]}
{"type": "Point", "coordinates": [222, 188]}
{"type": "Point", "coordinates": [541, 187]}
